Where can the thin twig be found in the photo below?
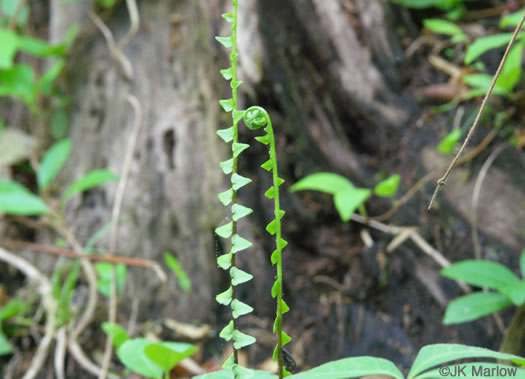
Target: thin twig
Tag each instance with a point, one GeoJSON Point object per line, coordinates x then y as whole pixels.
{"type": "Point", "coordinates": [135, 23]}
{"type": "Point", "coordinates": [60, 353]}
{"type": "Point", "coordinates": [117, 259]}
{"type": "Point", "coordinates": [475, 197]}
{"type": "Point", "coordinates": [443, 181]}
{"type": "Point", "coordinates": [116, 53]}
{"type": "Point", "coordinates": [117, 208]}
{"type": "Point", "coordinates": [48, 302]}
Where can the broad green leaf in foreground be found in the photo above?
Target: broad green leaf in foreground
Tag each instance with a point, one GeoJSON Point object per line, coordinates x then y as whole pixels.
{"type": "Point", "coordinates": [512, 19]}
{"type": "Point", "coordinates": [481, 273]}
{"type": "Point", "coordinates": [346, 202]}
{"type": "Point", "coordinates": [352, 368]}
{"type": "Point", "coordinates": [168, 354]}
{"type": "Point", "coordinates": [17, 200]}
{"type": "Point", "coordinates": [434, 355]}
{"type": "Point", "coordinates": [323, 182]}
{"type": "Point", "coordinates": [443, 27]}
{"type": "Point", "coordinates": [131, 354]}
{"type": "Point", "coordinates": [473, 306]}
{"type": "Point", "coordinates": [52, 162]}
{"type": "Point", "coordinates": [90, 180]}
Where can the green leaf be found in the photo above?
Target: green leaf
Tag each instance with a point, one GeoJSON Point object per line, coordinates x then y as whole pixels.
{"type": "Point", "coordinates": [239, 181]}
{"type": "Point", "coordinates": [268, 165]}
{"type": "Point", "coordinates": [227, 332]}
{"type": "Point", "coordinates": [346, 202]}
{"type": "Point", "coordinates": [511, 72]}
{"type": "Point", "coordinates": [240, 211]}
{"type": "Point", "coordinates": [106, 3]}
{"type": "Point", "coordinates": [39, 48]}
{"type": "Point", "coordinates": [323, 182]}
{"type": "Point", "coordinates": [52, 162]}
{"type": "Point", "coordinates": [90, 180]}
{"type": "Point", "coordinates": [227, 166]}
{"type": "Point", "coordinates": [238, 116]}
{"type": "Point", "coordinates": [352, 368]}
{"type": "Point", "coordinates": [227, 42]}
{"type": "Point", "coordinates": [227, 105]}
{"type": "Point", "coordinates": [131, 354]}
{"type": "Point", "coordinates": [47, 81]}
{"type": "Point", "coordinates": [226, 197]}
{"type": "Point", "coordinates": [227, 73]}
{"type": "Point", "coordinates": [225, 261]}
{"type": "Point", "coordinates": [225, 298]}
{"type": "Point", "coordinates": [238, 148]}
{"type": "Point", "coordinates": [234, 84]}
{"type": "Point", "coordinates": [167, 355]}
{"type": "Point", "coordinates": [434, 355]}
{"type": "Point", "coordinates": [473, 306]}
{"type": "Point", "coordinates": [104, 271]}
{"type": "Point", "coordinates": [483, 82]}
{"type": "Point", "coordinates": [265, 140]}
{"type": "Point", "coordinates": [275, 256]}
{"type": "Point", "coordinates": [5, 347]}
{"type": "Point", "coordinates": [14, 307]}
{"type": "Point", "coordinates": [512, 19]}
{"type": "Point", "coordinates": [443, 27]}
{"type": "Point", "coordinates": [17, 200]}
{"type": "Point", "coordinates": [228, 374]}
{"type": "Point", "coordinates": [516, 293]}
{"type": "Point", "coordinates": [225, 231]}
{"type": "Point", "coordinates": [239, 276]}
{"type": "Point", "coordinates": [484, 44]}
{"type": "Point", "coordinates": [285, 338]}
{"type": "Point", "coordinates": [183, 280]}
{"type": "Point", "coordinates": [241, 340]}
{"type": "Point", "coordinates": [117, 333]}
{"type": "Point", "coordinates": [275, 288]}
{"type": "Point", "coordinates": [270, 194]}
{"type": "Point", "coordinates": [421, 4]}
{"type": "Point", "coordinates": [522, 263]}
{"type": "Point", "coordinates": [18, 82]}
{"type": "Point", "coordinates": [226, 134]}
{"type": "Point", "coordinates": [239, 244]}
{"type": "Point", "coordinates": [281, 244]}
{"type": "Point", "coordinates": [284, 307]}
{"type": "Point", "coordinates": [7, 48]}
{"type": "Point", "coordinates": [447, 144]}
{"type": "Point", "coordinates": [481, 273]}
{"type": "Point", "coordinates": [228, 17]}
{"type": "Point", "coordinates": [240, 309]}
{"type": "Point", "coordinates": [388, 187]}
{"type": "Point", "coordinates": [272, 226]}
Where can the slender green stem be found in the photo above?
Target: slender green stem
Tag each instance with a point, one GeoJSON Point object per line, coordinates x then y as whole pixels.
{"type": "Point", "coordinates": [273, 157]}
{"type": "Point", "coordinates": [235, 140]}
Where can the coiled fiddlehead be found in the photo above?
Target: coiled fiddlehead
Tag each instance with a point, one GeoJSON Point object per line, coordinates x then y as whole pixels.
{"type": "Point", "coordinates": [256, 117]}
{"type": "Point", "coordinates": [229, 197]}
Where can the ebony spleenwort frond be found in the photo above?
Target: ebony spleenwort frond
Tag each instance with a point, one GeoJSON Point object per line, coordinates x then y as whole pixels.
{"type": "Point", "coordinates": [229, 197]}
{"type": "Point", "coordinates": [255, 118]}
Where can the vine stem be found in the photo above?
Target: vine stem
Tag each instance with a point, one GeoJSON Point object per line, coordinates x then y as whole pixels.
{"type": "Point", "coordinates": [443, 180]}
{"type": "Point", "coordinates": [273, 157]}
{"type": "Point", "coordinates": [235, 140]}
